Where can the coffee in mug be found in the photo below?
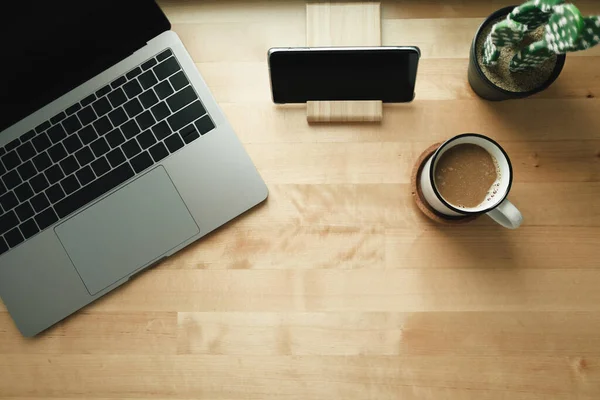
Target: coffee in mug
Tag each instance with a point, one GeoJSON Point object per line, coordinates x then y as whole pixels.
{"type": "Point", "coordinates": [470, 174]}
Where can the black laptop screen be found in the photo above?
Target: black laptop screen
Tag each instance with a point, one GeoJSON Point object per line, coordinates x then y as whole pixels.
{"type": "Point", "coordinates": [50, 47]}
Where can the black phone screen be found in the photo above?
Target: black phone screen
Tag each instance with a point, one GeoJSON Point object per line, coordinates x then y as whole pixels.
{"type": "Point", "coordinates": [385, 73]}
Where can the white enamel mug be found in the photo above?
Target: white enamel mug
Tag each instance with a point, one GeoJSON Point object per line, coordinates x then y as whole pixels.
{"type": "Point", "coordinates": [495, 204]}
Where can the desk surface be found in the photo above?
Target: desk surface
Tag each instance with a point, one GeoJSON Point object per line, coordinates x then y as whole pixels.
{"type": "Point", "coordinates": [337, 287]}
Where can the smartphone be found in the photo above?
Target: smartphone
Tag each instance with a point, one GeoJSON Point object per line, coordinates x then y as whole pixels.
{"type": "Point", "coordinates": [343, 73]}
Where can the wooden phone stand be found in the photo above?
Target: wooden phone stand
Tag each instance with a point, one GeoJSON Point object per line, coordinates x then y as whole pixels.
{"type": "Point", "coordinates": [343, 24]}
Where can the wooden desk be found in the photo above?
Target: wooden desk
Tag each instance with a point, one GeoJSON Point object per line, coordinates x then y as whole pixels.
{"type": "Point", "coordinates": [337, 287]}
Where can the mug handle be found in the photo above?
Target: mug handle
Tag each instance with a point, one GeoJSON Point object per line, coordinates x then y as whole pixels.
{"type": "Point", "coordinates": [507, 215]}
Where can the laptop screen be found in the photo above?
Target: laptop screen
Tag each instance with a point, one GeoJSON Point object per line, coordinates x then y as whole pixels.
{"type": "Point", "coordinates": [50, 47]}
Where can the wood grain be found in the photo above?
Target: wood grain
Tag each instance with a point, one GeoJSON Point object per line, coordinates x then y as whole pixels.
{"type": "Point", "coordinates": [337, 287]}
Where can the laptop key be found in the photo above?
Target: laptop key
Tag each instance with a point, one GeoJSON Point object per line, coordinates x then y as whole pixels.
{"type": "Point", "coordinates": [147, 79]}
{"type": "Point", "coordinates": [115, 138]}
{"type": "Point", "coordinates": [69, 184]}
{"type": "Point", "coordinates": [54, 174]}
{"type": "Point", "coordinates": [158, 152]}
{"type": "Point", "coordinates": [204, 125]}
{"type": "Point", "coordinates": [58, 117]}
{"type": "Point", "coordinates": [26, 170]}
{"type": "Point", "coordinates": [131, 148]}
{"type": "Point", "coordinates": [26, 151]}
{"type": "Point", "coordinates": [8, 221]}
{"type": "Point", "coordinates": [117, 117]}
{"type": "Point", "coordinates": [189, 134]}
{"type": "Point", "coordinates": [101, 107]}
{"type": "Point", "coordinates": [174, 143]}
{"type": "Point", "coordinates": [102, 126]}
{"type": "Point", "coordinates": [23, 192]}
{"type": "Point", "coordinates": [94, 190]}
{"type": "Point", "coordinates": [14, 237]}
{"type": "Point", "coordinates": [181, 99]}
{"type": "Point", "coordinates": [163, 89]}
{"type": "Point", "coordinates": [130, 129]}
{"type": "Point", "coordinates": [118, 82]}
{"type": "Point", "coordinates": [164, 55]}
{"type": "Point", "coordinates": [24, 211]}
{"type": "Point", "coordinates": [148, 98]}
{"type": "Point", "coordinates": [133, 73]}
{"type": "Point", "coordinates": [71, 125]}
{"type": "Point", "coordinates": [145, 120]}
{"type": "Point", "coordinates": [133, 108]}
{"type": "Point", "coordinates": [46, 218]}
{"type": "Point", "coordinates": [58, 133]}
{"type": "Point", "coordinates": [73, 109]}
{"type": "Point", "coordinates": [84, 156]}
{"type": "Point", "coordinates": [41, 142]}
{"type": "Point", "coordinates": [13, 144]}
{"type": "Point", "coordinates": [160, 111]}
{"type": "Point", "coordinates": [100, 166]}
{"type": "Point", "coordinates": [27, 136]}
{"type": "Point", "coordinates": [166, 68]}
{"type": "Point", "coordinates": [141, 162]}
{"type": "Point", "coordinates": [41, 127]}
{"type": "Point", "coordinates": [11, 160]}
{"type": "Point", "coordinates": [88, 100]}
{"type": "Point", "coordinates": [55, 193]}
{"type": "Point", "coordinates": [11, 180]}
{"type": "Point", "coordinates": [69, 165]}
{"type": "Point", "coordinates": [117, 97]}
{"type": "Point", "coordinates": [9, 201]}
{"type": "Point", "coordinates": [115, 157]}
{"type": "Point", "coordinates": [85, 175]}
{"type": "Point", "coordinates": [161, 130]}
{"type": "Point", "coordinates": [87, 135]}
{"type": "Point", "coordinates": [57, 152]}
{"type": "Point", "coordinates": [132, 89]}
{"type": "Point", "coordinates": [149, 64]}
{"type": "Point", "coordinates": [100, 147]}
{"type": "Point", "coordinates": [186, 115]}
{"type": "Point", "coordinates": [72, 143]}
{"type": "Point", "coordinates": [146, 139]}
{"type": "Point", "coordinates": [102, 91]}
{"type": "Point", "coordinates": [179, 80]}
{"type": "Point", "coordinates": [39, 202]}
{"type": "Point", "coordinates": [29, 228]}
{"type": "Point", "coordinates": [87, 115]}
{"type": "Point", "coordinates": [39, 183]}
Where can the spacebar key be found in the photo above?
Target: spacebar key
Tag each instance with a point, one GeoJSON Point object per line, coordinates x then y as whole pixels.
{"type": "Point", "coordinates": [94, 190]}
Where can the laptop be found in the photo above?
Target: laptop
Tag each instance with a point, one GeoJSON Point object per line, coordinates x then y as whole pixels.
{"type": "Point", "coordinates": [113, 154]}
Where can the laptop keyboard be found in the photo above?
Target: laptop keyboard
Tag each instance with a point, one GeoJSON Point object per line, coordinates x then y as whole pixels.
{"type": "Point", "coordinates": [94, 145]}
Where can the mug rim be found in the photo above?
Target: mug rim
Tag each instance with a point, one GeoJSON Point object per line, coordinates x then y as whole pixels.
{"type": "Point", "coordinates": [437, 193]}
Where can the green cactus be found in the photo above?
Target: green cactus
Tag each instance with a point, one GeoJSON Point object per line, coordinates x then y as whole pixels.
{"type": "Point", "coordinates": [531, 56]}
{"type": "Point", "coordinates": [565, 31]}
{"type": "Point", "coordinates": [506, 32]}
{"type": "Point", "coordinates": [563, 28]}
{"type": "Point", "coordinates": [590, 35]}
{"type": "Point", "coordinates": [534, 13]}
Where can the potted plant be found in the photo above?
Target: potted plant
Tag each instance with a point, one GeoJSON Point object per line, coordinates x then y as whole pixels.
{"type": "Point", "coordinates": [520, 50]}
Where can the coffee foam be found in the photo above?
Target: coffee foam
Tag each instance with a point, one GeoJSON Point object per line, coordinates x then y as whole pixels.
{"type": "Point", "coordinates": [492, 191]}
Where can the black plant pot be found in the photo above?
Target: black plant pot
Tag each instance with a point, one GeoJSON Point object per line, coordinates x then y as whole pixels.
{"type": "Point", "coordinates": [488, 90]}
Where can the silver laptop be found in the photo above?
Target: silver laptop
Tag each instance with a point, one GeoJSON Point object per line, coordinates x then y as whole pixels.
{"type": "Point", "coordinates": [113, 154]}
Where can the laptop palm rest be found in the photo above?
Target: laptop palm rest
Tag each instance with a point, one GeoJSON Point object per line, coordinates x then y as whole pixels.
{"type": "Point", "coordinates": [127, 230]}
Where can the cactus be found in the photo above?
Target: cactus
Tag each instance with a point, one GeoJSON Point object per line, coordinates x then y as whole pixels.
{"type": "Point", "coordinates": [534, 13]}
{"type": "Point", "coordinates": [565, 31]}
{"type": "Point", "coordinates": [562, 31]}
{"type": "Point", "coordinates": [590, 35]}
{"type": "Point", "coordinates": [507, 32]}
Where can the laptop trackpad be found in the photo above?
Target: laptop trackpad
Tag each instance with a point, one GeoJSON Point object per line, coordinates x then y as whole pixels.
{"type": "Point", "coordinates": [127, 230]}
